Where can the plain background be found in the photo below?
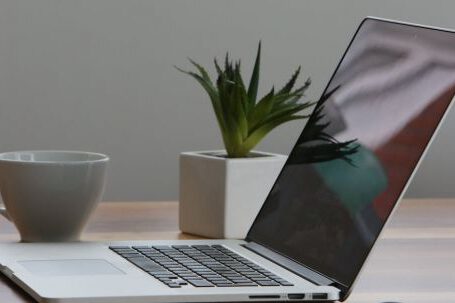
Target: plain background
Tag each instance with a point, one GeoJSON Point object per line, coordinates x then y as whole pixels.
{"type": "Point", "coordinates": [98, 75]}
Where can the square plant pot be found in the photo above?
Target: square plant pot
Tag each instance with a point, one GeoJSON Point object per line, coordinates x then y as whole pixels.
{"type": "Point", "coordinates": [220, 197]}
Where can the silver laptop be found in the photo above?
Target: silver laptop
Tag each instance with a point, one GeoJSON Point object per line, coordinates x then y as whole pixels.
{"type": "Point", "coordinates": [349, 167]}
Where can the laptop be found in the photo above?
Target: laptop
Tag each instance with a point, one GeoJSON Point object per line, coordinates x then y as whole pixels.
{"type": "Point", "coordinates": [347, 171]}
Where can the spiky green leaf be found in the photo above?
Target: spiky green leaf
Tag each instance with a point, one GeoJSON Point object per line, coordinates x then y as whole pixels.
{"type": "Point", "coordinates": [254, 80]}
{"type": "Point", "coordinates": [290, 84]}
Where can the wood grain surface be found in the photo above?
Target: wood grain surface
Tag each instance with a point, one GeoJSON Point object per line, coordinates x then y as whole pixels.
{"type": "Point", "coordinates": [414, 261]}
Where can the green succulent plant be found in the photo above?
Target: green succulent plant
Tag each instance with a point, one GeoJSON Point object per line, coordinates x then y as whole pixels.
{"type": "Point", "coordinates": [243, 119]}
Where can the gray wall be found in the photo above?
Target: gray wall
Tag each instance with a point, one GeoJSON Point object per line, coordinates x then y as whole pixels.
{"type": "Point", "coordinates": [98, 75]}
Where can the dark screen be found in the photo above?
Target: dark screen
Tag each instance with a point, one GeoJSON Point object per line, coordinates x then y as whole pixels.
{"type": "Point", "coordinates": [359, 148]}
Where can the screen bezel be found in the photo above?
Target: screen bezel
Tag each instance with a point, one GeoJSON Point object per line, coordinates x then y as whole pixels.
{"type": "Point", "coordinates": [346, 289]}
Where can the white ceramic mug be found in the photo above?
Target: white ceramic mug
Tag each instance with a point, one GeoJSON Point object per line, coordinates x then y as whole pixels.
{"type": "Point", "coordinates": [49, 195]}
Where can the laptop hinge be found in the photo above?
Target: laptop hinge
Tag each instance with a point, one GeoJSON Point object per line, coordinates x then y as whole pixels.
{"type": "Point", "coordinates": [289, 264]}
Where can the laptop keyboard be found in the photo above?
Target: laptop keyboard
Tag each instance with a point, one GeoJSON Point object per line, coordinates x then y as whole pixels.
{"type": "Point", "coordinates": [198, 265]}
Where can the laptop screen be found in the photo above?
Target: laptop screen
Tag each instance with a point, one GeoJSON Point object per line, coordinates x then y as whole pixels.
{"type": "Point", "coordinates": [359, 148]}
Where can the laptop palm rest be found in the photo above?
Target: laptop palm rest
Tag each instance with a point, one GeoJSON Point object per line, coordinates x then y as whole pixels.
{"type": "Point", "coordinates": [72, 267]}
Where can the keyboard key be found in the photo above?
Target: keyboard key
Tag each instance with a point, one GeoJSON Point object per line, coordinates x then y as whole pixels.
{"type": "Point", "coordinates": [124, 250]}
{"type": "Point", "coordinates": [246, 284]}
{"type": "Point", "coordinates": [130, 255]}
{"type": "Point", "coordinates": [164, 275]}
{"type": "Point", "coordinates": [200, 283]}
{"type": "Point", "coordinates": [261, 280]}
{"type": "Point", "coordinates": [181, 246]}
{"type": "Point", "coordinates": [225, 284]}
{"type": "Point", "coordinates": [189, 275]}
{"type": "Point", "coordinates": [222, 281]}
{"type": "Point", "coordinates": [267, 283]}
{"type": "Point", "coordinates": [161, 247]}
{"type": "Point", "coordinates": [255, 275]}
{"type": "Point", "coordinates": [285, 283]}
{"type": "Point", "coordinates": [149, 267]}
{"type": "Point", "coordinates": [114, 247]}
{"type": "Point", "coordinates": [239, 280]}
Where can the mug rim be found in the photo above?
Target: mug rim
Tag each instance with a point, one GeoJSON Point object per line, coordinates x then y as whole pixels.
{"type": "Point", "coordinates": [99, 157]}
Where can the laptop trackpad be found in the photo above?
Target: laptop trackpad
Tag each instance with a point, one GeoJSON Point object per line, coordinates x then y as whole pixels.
{"type": "Point", "coordinates": [72, 267]}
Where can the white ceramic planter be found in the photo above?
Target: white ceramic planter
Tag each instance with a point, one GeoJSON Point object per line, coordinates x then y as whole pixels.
{"type": "Point", "coordinates": [220, 197]}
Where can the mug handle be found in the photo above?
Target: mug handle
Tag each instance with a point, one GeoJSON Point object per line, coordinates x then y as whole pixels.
{"type": "Point", "coordinates": [4, 213]}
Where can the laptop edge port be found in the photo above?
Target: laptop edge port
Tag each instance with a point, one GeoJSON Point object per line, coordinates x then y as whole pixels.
{"type": "Point", "coordinates": [319, 296]}
{"type": "Point", "coordinates": [296, 296]}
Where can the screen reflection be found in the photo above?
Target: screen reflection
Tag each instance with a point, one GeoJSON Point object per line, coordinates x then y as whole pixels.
{"type": "Point", "coordinates": [359, 148]}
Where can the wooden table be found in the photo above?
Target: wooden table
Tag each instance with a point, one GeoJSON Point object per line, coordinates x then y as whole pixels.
{"type": "Point", "coordinates": [413, 262]}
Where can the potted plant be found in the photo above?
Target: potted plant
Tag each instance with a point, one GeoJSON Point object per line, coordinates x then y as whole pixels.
{"type": "Point", "coordinates": [222, 191]}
